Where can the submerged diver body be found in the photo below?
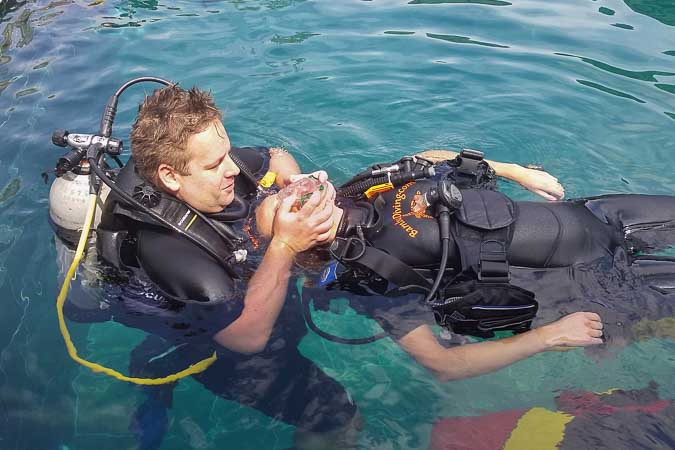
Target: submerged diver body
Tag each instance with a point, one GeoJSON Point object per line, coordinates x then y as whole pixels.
{"type": "Point", "coordinates": [576, 255]}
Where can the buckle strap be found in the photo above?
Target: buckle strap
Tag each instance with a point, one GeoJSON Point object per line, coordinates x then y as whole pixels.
{"type": "Point", "coordinates": [493, 266]}
{"type": "Point", "coordinates": [354, 250]}
{"type": "Point", "coordinates": [348, 249]}
{"type": "Point", "coordinates": [470, 161]}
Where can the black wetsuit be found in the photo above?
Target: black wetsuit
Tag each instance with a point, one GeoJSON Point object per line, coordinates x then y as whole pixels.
{"type": "Point", "coordinates": [278, 381]}
{"type": "Point", "coordinates": [544, 235]}
{"type": "Point", "coordinates": [574, 255]}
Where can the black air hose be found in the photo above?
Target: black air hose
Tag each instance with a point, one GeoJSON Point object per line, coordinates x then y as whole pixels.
{"type": "Point", "coordinates": [357, 189]}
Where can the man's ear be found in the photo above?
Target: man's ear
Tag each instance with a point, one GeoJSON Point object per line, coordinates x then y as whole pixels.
{"type": "Point", "coordinates": [168, 178]}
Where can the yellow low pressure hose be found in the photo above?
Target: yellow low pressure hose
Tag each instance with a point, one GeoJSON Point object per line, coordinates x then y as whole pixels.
{"type": "Point", "coordinates": [72, 351]}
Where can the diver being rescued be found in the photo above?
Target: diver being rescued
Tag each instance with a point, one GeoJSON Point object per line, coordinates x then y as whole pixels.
{"type": "Point", "coordinates": [388, 245]}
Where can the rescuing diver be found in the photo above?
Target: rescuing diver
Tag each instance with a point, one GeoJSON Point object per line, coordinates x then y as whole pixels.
{"type": "Point", "coordinates": [171, 233]}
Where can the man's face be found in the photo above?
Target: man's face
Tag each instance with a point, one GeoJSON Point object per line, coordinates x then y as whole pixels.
{"type": "Point", "coordinates": [210, 185]}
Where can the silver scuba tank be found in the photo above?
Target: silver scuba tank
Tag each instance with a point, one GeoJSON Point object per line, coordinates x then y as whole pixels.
{"type": "Point", "coordinates": [68, 204]}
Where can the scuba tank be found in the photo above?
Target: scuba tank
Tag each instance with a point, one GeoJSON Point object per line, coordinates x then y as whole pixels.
{"type": "Point", "coordinates": [74, 183]}
{"type": "Point", "coordinates": [68, 205]}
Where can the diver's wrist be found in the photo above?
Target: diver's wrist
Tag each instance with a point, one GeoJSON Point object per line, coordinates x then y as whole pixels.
{"type": "Point", "coordinates": [546, 337]}
{"type": "Point", "coordinates": [281, 245]}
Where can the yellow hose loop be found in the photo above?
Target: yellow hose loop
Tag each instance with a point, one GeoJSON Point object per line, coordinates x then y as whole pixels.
{"type": "Point", "coordinates": [72, 351]}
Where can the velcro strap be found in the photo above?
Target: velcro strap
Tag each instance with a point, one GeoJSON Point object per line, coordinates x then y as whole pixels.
{"type": "Point", "coordinates": [469, 166]}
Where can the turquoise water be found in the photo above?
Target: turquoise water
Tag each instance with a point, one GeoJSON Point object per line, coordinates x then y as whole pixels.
{"type": "Point", "coordinates": [585, 88]}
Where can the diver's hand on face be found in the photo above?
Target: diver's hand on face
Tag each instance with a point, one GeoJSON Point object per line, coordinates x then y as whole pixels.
{"type": "Point", "coordinates": [579, 329]}
{"type": "Point", "coordinates": [328, 194]}
{"type": "Point", "coordinates": [311, 225]}
{"type": "Point", "coordinates": [541, 183]}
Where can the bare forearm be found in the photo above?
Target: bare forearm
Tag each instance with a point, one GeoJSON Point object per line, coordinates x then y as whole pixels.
{"type": "Point", "coordinates": [472, 359]}
{"type": "Point", "coordinates": [263, 301]}
{"type": "Point", "coordinates": [510, 171]}
{"type": "Point", "coordinates": [484, 357]}
{"type": "Point", "coordinates": [267, 289]}
{"type": "Point", "coordinates": [506, 170]}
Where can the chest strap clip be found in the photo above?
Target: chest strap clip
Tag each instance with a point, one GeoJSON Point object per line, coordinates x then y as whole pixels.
{"type": "Point", "coordinates": [350, 248]}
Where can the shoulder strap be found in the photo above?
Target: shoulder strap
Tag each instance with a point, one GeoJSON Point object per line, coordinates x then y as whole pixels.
{"type": "Point", "coordinates": [355, 250]}
{"type": "Point", "coordinates": [176, 216]}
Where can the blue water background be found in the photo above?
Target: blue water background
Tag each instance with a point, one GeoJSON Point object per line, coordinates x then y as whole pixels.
{"type": "Point", "coordinates": [585, 88]}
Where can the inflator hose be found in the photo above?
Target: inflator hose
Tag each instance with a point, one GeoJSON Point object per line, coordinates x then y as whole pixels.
{"type": "Point", "coordinates": [444, 229]}
{"type": "Point", "coordinates": [245, 171]}
{"type": "Point", "coordinates": [72, 351]}
{"type": "Point", "coordinates": [110, 109]}
{"type": "Point", "coordinates": [357, 188]}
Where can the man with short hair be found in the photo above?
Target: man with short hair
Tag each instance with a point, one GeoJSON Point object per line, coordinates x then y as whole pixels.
{"type": "Point", "coordinates": [179, 292]}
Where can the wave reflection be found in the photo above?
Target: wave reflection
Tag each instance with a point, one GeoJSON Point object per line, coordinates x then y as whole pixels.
{"type": "Point", "coordinates": [669, 88]}
{"type": "Point", "coordinates": [463, 40]}
{"type": "Point", "coordinates": [21, 20]}
{"type": "Point", "coordinates": [608, 90]}
{"type": "Point", "coordinates": [297, 38]}
{"type": "Point", "coordinates": [646, 75]}
{"type": "Point", "coordinates": [474, 2]}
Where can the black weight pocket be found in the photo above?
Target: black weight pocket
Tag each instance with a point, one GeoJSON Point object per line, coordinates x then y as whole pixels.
{"type": "Point", "coordinates": [479, 309]}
